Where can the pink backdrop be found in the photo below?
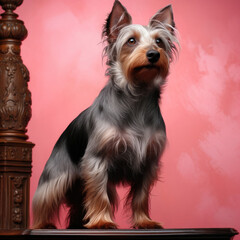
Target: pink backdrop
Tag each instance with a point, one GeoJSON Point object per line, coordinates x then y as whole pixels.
{"type": "Point", "coordinates": [200, 180]}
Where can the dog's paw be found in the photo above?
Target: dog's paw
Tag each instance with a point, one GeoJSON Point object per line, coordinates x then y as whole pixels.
{"type": "Point", "coordinates": [50, 226]}
{"type": "Point", "coordinates": [44, 226]}
{"type": "Point", "coordinates": [148, 224]}
{"type": "Point", "coordinates": [109, 226]}
{"type": "Point", "coordinates": [101, 225]}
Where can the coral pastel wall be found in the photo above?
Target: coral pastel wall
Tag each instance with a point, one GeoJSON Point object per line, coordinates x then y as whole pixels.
{"type": "Point", "coordinates": [200, 179]}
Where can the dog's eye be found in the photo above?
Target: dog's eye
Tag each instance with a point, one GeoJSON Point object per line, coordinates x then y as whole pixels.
{"type": "Point", "coordinates": [131, 41]}
{"type": "Point", "coordinates": [159, 42]}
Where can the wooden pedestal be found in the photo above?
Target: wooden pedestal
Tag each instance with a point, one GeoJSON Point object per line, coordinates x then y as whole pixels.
{"type": "Point", "coordinates": [15, 113]}
{"type": "Point", "coordinates": [15, 172]}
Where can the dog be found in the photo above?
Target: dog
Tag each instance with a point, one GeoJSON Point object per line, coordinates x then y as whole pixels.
{"type": "Point", "coordinates": [120, 138]}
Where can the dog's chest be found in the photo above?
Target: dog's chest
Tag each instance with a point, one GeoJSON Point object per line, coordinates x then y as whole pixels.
{"type": "Point", "coordinates": [129, 144]}
{"type": "Point", "coordinates": [129, 153]}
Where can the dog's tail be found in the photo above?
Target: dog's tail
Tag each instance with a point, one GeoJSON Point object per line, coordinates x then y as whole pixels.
{"type": "Point", "coordinates": [47, 200]}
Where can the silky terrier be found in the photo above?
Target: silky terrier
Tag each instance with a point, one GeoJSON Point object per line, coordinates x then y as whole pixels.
{"type": "Point", "coordinates": [119, 139]}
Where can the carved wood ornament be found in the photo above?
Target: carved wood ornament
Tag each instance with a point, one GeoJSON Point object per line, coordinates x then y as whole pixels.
{"type": "Point", "coordinates": [15, 113]}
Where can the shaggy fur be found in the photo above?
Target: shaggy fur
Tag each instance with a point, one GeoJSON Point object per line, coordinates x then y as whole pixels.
{"type": "Point", "coordinates": [120, 137]}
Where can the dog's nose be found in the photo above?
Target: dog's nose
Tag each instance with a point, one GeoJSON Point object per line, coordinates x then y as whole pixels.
{"type": "Point", "coordinates": [153, 56]}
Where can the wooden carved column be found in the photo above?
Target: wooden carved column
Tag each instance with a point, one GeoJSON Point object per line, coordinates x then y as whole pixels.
{"type": "Point", "coordinates": [15, 113]}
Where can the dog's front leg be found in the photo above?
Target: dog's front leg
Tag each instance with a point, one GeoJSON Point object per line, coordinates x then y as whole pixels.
{"type": "Point", "coordinates": [97, 204]}
{"type": "Point", "coordinates": [139, 197]}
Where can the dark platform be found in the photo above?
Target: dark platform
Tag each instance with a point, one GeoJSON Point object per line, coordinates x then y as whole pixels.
{"type": "Point", "coordinates": [168, 234]}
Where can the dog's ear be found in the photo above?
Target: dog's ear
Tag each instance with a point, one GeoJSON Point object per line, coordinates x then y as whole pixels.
{"type": "Point", "coordinates": [117, 19]}
{"type": "Point", "coordinates": [164, 16]}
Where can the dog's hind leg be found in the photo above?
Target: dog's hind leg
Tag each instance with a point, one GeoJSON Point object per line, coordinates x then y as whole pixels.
{"type": "Point", "coordinates": [47, 200]}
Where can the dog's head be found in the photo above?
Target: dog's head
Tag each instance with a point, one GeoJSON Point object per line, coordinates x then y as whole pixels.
{"type": "Point", "coordinates": [139, 54]}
